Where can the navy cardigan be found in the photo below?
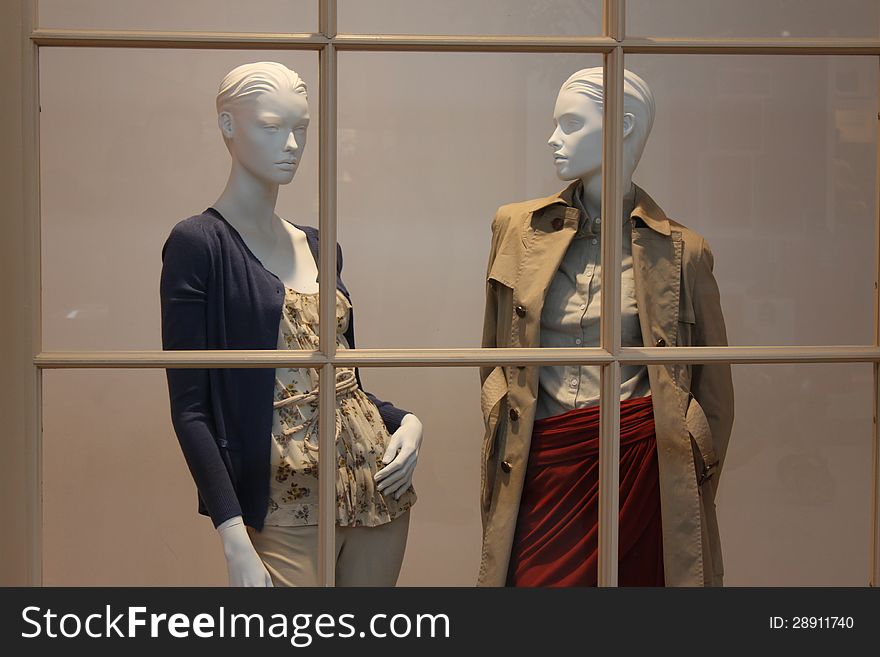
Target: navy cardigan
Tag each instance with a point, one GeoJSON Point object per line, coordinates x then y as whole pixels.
{"type": "Point", "coordinates": [216, 294]}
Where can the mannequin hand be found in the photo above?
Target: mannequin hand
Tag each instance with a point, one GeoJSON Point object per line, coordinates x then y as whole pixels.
{"type": "Point", "coordinates": [400, 458]}
{"type": "Point", "coordinates": [243, 564]}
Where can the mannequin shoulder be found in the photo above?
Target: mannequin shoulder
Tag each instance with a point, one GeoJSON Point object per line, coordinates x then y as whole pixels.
{"type": "Point", "coordinates": [695, 247]}
{"type": "Point", "coordinates": [196, 236]}
{"type": "Point", "coordinates": [198, 227]}
{"type": "Point", "coordinates": [194, 230]}
{"type": "Point", "coordinates": [512, 215]}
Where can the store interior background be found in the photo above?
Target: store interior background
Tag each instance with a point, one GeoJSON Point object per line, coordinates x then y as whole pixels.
{"type": "Point", "coordinates": [772, 159]}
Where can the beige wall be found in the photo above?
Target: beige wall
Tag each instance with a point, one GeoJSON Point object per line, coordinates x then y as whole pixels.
{"type": "Point", "coordinates": [773, 159]}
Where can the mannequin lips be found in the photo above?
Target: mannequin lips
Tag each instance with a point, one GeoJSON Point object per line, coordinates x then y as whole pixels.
{"type": "Point", "coordinates": [287, 165]}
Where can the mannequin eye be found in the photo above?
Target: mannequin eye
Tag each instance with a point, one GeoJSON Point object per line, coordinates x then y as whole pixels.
{"type": "Point", "coordinates": [271, 128]}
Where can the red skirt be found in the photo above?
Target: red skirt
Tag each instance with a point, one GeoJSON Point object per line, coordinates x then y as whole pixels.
{"type": "Point", "coordinates": [557, 530]}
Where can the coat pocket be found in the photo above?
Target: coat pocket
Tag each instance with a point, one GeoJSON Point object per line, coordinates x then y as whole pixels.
{"type": "Point", "coordinates": [705, 460]}
{"type": "Point", "coordinates": [492, 395]}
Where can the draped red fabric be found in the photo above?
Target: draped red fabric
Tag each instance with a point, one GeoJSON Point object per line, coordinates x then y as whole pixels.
{"type": "Point", "coordinates": [557, 531]}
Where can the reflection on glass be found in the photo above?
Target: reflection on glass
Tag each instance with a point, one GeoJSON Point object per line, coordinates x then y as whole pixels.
{"type": "Point", "coordinates": [753, 18]}
{"type": "Point", "coordinates": [554, 17]}
{"type": "Point", "coordinates": [272, 16]}
{"type": "Point", "coordinates": [772, 160]}
{"type": "Point", "coordinates": [122, 164]}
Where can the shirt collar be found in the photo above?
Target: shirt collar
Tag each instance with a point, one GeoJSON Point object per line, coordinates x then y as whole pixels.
{"type": "Point", "coordinates": [588, 226]}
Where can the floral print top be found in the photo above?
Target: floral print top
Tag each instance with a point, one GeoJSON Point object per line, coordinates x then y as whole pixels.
{"type": "Point", "coordinates": [361, 435]}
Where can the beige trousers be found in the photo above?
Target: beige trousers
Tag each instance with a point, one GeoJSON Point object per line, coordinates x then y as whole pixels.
{"type": "Point", "coordinates": [365, 556]}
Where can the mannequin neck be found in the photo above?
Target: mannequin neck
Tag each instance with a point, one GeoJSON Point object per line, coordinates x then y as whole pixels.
{"type": "Point", "coordinates": [248, 201]}
{"type": "Point", "coordinates": [591, 192]}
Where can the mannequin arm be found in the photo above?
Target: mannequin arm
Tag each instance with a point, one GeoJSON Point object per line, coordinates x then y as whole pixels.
{"type": "Point", "coordinates": [391, 415]}
{"type": "Point", "coordinates": [712, 385]}
{"type": "Point", "coordinates": [183, 296]}
{"type": "Point", "coordinates": [490, 315]}
{"type": "Point", "coordinates": [400, 458]}
{"type": "Point", "coordinates": [243, 564]}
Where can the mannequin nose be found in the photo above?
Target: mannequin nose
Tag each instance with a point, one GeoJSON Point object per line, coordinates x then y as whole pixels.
{"type": "Point", "coordinates": [554, 142]}
{"type": "Point", "coordinates": [291, 144]}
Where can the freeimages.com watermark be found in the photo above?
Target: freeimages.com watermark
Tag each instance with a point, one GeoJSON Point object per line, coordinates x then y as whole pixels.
{"type": "Point", "coordinates": [299, 629]}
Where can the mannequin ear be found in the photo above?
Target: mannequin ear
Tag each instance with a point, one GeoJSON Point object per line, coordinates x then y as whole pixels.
{"type": "Point", "coordinates": [629, 122]}
{"type": "Point", "coordinates": [224, 120]}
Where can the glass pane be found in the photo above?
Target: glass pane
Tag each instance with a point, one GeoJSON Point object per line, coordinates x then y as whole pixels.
{"type": "Point", "coordinates": [122, 163]}
{"type": "Point", "coordinates": [422, 170]}
{"type": "Point", "coordinates": [119, 505]}
{"type": "Point", "coordinates": [116, 466]}
{"type": "Point", "coordinates": [794, 500]}
{"type": "Point", "coordinates": [753, 18]}
{"type": "Point", "coordinates": [772, 160]}
{"type": "Point", "coordinates": [443, 546]}
{"type": "Point", "coordinates": [553, 17]}
{"type": "Point", "coordinates": [272, 16]}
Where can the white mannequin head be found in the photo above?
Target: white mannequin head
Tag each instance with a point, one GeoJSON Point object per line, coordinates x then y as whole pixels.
{"type": "Point", "coordinates": [263, 114]}
{"type": "Point", "coordinates": [578, 115]}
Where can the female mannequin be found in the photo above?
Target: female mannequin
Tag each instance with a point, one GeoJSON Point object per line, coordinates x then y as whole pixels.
{"type": "Point", "coordinates": [240, 277]}
{"type": "Point", "coordinates": [540, 453]}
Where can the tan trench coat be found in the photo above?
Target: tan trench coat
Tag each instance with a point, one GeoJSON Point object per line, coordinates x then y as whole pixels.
{"type": "Point", "coordinates": [678, 304]}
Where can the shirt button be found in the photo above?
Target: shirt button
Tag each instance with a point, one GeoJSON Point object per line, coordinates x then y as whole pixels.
{"type": "Point", "coordinates": [584, 307]}
{"type": "Point", "coordinates": [577, 341]}
{"type": "Point", "coordinates": [574, 383]}
{"type": "Point", "coordinates": [505, 465]}
{"type": "Point", "coordinates": [521, 311]}
{"type": "Point", "coordinates": [661, 342]}
{"type": "Point", "coordinates": [598, 220]}
{"type": "Point", "coordinates": [514, 415]}
{"type": "Point", "coordinates": [557, 223]}
{"type": "Point", "coordinates": [594, 241]}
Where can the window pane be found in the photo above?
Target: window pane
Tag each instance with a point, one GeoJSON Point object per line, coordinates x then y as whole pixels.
{"type": "Point", "coordinates": [423, 167]}
{"type": "Point", "coordinates": [753, 18]}
{"type": "Point", "coordinates": [794, 502]}
{"type": "Point", "coordinates": [273, 16]}
{"type": "Point", "coordinates": [119, 505]}
{"type": "Point", "coordinates": [122, 163]}
{"type": "Point", "coordinates": [554, 17]}
{"type": "Point", "coordinates": [772, 160]}
{"type": "Point", "coordinates": [443, 547]}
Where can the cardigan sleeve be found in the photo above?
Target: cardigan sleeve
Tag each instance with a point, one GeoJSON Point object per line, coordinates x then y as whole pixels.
{"type": "Point", "coordinates": [183, 288]}
{"type": "Point", "coordinates": [391, 415]}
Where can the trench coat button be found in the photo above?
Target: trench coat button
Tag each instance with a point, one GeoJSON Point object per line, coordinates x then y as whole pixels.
{"type": "Point", "coordinates": [661, 342]}
{"type": "Point", "coordinates": [514, 415]}
{"type": "Point", "coordinates": [521, 311]}
{"type": "Point", "coordinates": [505, 465]}
{"type": "Point", "coordinates": [557, 223]}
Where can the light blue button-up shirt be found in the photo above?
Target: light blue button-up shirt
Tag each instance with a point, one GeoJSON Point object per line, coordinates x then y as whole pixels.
{"type": "Point", "coordinates": [570, 318]}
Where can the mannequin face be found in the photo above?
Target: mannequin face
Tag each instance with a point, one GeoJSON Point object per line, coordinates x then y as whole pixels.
{"type": "Point", "coordinates": [577, 139]}
{"type": "Point", "coordinates": [266, 135]}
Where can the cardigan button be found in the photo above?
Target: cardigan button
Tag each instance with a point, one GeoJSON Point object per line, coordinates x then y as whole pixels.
{"type": "Point", "coordinates": [505, 465]}
{"type": "Point", "coordinates": [557, 223]}
{"type": "Point", "coordinates": [514, 415]}
{"type": "Point", "coordinates": [521, 311]}
{"type": "Point", "coordinates": [222, 442]}
{"type": "Point", "coordinates": [661, 342]}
